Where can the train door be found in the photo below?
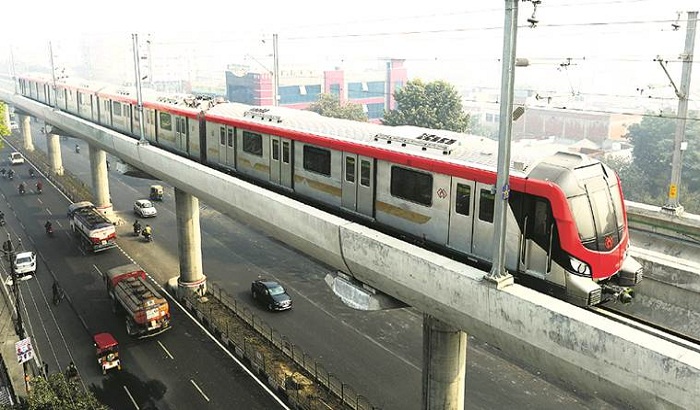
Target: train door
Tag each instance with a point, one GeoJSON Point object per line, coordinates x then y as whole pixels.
{"type": "Point", "coordinates": [281, 161]}
{"type": "Point", "coordinates": [536, 248]}
{"type": "Point", "coordinates": [358, 184]}
{"type": "Point", "coordinates": [482, 234]}
{"type": "Point", "coordinates": [181, 140]}
{"type": "Point", "coordinates": [461, 215]}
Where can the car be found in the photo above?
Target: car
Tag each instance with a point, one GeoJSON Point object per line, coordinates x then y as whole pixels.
{"type": "Point", "coordinates": [145, 209]}
{"type": "Point", "coordinates": [270, 294]}
{"type": "Point", "coordinates": [16, 158]}
{"type": "Point", "coordinates": [25, 264]}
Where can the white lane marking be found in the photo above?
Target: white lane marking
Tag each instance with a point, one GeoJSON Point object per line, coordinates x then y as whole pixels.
{"type": "Point", "coordinates": [131, 397]}
{"type": "Point", "coordinates": [200, 390]}
{"type": "Point", "coordinates": [166, 350]}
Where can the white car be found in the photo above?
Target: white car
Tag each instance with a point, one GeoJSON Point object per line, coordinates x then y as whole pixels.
{"type": "Point", "coordinates": [144, 208]}
{"type": "Point", "coordinates": [16, 158]}
{"type": "Point", "coordinates": [25, 263]}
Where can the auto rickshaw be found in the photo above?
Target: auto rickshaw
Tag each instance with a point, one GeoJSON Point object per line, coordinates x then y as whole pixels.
{"type": "Point", "coordinates": [107, 351]}
{"type": "Point", "coordinates": [156, 193]}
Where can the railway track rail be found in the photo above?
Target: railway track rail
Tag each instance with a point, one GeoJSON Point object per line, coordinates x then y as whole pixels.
{"type": "Point", "coordinates": [678, 338]}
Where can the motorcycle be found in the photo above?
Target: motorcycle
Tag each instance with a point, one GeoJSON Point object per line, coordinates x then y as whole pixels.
{"type": "Point", "coordinates": [11, 175]}
{"type": "Point", "coordinates": [77, 149]}
{"type": "Point", "coordinates": [137, 229]}
{"type": "Point", "coordinates": [2, 220]}
{"type": "Point", "coordinates": [148, 237]}
{"type": "Point", "coordinates": [49, 231]}
{"type": "Point", "coordinates": [39, 188]}
{"type": "Point", "coordinates": [31, 173]}
{"type": "Point", "coordinates": [21, 190]}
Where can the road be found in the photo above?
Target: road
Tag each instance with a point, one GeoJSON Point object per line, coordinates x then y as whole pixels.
{"type": "Point", "coordinates": [182, 368]}
{"type": "Point", "coordinates": [379, 354]}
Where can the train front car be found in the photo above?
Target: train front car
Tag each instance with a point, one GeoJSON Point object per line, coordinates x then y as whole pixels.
{"type": "Point", "coordinates": [592, 228]}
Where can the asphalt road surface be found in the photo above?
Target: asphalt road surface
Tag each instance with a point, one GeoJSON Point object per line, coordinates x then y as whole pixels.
{"type": "Point", "coordinates": [182, 368]}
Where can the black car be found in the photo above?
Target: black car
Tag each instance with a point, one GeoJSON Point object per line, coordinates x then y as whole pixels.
{"type": "Point", "coordinates": [271, 294]}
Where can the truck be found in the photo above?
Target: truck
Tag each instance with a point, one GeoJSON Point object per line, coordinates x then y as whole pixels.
{"type": "Point", "coordinates": [147, 312]}
{"type": "Point", "coordinates": [96, 232]}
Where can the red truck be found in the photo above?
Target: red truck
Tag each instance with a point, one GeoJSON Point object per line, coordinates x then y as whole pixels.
{"type": "Point", "coordinates": [96, 232]}
{"type": "Point", "coordinates": [147, 312]}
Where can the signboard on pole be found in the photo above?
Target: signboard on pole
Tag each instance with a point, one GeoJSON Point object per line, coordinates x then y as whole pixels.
{"type": "Point", "coordinates": [24, 349]}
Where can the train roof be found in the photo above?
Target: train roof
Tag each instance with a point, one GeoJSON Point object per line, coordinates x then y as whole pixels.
{"type": "Point", "coordinates": [448, 146]}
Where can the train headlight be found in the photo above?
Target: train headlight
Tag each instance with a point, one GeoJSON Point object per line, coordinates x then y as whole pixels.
{"type": "Point", "coordinates": [580, 268]}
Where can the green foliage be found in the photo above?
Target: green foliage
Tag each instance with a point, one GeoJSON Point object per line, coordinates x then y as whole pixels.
{"type": "Point", "coordinates": [58, 393]}
{"type": "Point", "coordinates": [647, 178]}
{"type": "Point", "coordinates": [4, 128]}
{"type": "Point", "coordinates": [433, 105]}
{"type": "Point", "coordinates": [329, 105]}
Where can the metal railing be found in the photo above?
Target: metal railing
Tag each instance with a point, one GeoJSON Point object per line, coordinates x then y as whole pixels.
{"type": "Point", "coordinates": [297, 376]}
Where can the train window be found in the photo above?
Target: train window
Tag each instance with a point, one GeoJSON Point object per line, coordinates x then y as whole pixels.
{"type": "Point", "coordinates": [285, 152]}
{"type": "Point", "coordinates": [166, 121]}
{"type": "Point", "coordinates": [317, 160]}
{"type": "Point", "coordinates": [229, 137]}
{"type": "Point", "coordinates": [365, 173]}
{"type": "Point", "coordinates": [486, 201]}
{"type": "Point", "coordinates": [412, 185]}
{"type": "Point", "coordinates": [276, 150]}
{"type": "Point", "coordinates": [463, 199]}
{"type": "Point", "coordinates": [252, 143]}
{"type": "Point", "coordinates": [350, 169]}
{"type": "Point", "coordinates": [540, 221]}
{"type": "Point", "coordinates": [116, 108]}
{"type": "Point", "coordinates": [222, 136]}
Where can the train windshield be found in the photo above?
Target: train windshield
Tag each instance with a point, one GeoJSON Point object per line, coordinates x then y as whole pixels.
{"type": "Point", "coordinates": [598, 212]}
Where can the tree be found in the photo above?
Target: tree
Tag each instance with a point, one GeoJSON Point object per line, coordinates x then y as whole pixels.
{"type": "Point", "coordinates": [647, 177]}
{"type": "Point", "coordinates": [329, 105]}
{"type": "Point", "coordinates": [57, 393]}
{"type": "Point", "coordinates": [4, 128]}
{"type": "Point", "coordinates": [432, 105]}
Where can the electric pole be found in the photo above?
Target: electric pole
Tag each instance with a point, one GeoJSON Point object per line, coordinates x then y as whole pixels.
{"type": "Point", "coordinates": [8, 247]}
{"type": "Point", "coordinates": [276, 73]}
{"type": "Point", "coordinates": [498, 273]}
{"type": "Point", "coordinates": [673, 204]}
{"type": "Point", "coordinates": [139, 98]}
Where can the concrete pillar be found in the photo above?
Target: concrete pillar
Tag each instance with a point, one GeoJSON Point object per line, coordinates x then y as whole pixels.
{"type": "Point", "coordinates": [27, 132]}
{"type": "Point", "coordinates": [53, 147]}
{"type": "Point", "coordinates": [189, 235]}
{"type": "Point", "coordinates": [100, 180]}
{"type": "Point", "coordinates": [444, 365]}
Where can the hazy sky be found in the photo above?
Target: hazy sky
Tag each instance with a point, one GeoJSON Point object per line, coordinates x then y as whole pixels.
{"type": "Point", "coordinates": [584, 47]}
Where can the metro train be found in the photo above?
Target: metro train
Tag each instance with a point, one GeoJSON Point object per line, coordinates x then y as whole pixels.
{"type": "Point", "coordinates": [566, 228]}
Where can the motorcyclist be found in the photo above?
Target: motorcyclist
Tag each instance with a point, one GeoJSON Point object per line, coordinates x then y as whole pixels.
{"type": "Point", "coordinates": [48, 227]}
{"type": "Point", "coordinates": [77, 148]}
{"type": "Point", "coordinates": [57, 293]}
{"type": "Point", "coordinates": [147, 232]}
{"type": "Point", "coordinates": [31, 172]}
{"type": "Point", "coordinates": [2, 218]}
{"type": "Point", "coordinates": [137, 227]}
{"type": "Point", "coordinates": [11, 173]}
{"type": "Point", "coordinates": [3, 172]}
{"type": "Point", "coordinates": [21, 187]}
{"type": "Point", "coordinates": [39, 186]}
{"type": "Point", "coordinates": [71, 371]}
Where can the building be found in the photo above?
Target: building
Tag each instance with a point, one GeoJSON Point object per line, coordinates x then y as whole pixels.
{"type": "Point", "coordinates": [373, 89]}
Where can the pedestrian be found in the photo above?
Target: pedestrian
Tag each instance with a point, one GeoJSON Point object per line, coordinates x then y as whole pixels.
{"type": "Point", "coordinates": [46, 370]}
